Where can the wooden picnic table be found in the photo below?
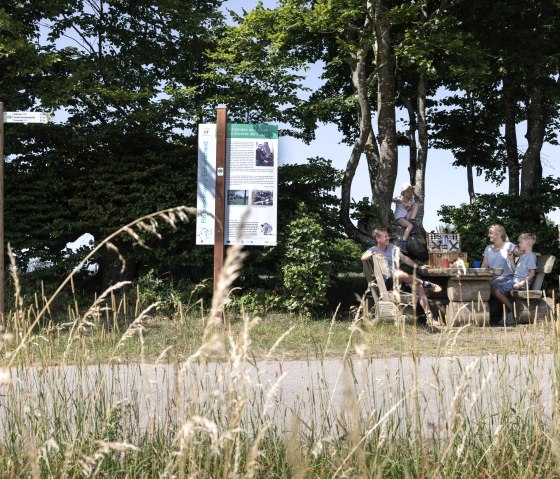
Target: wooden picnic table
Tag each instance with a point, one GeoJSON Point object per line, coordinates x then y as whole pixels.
{"type": "Point", "coordinates": [465, 295]}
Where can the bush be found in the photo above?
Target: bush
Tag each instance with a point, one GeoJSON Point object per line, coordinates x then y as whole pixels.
{"type": "Point", "coordinates": [472, 221]}
{"type": "Point", "coordinates": [307, 265]}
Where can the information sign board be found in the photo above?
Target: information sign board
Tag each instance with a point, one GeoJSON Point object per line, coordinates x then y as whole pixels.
{"type": "Point", "coordinates": [251, 184]}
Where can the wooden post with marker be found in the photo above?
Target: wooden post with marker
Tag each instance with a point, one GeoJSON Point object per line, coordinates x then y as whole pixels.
{"type": "Point", "coordinates": [219, 214]}
{"type": "Point", "coordinates": [2, 268]}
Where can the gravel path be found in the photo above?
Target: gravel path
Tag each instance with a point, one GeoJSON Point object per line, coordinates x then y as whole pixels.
{"type": "Point", "coordinates": [317, 392]}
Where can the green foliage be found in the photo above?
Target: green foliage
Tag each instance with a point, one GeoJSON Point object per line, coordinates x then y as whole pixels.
{"type": "Point", "coordinates": [255, 71]}
{"type": "Point", "coordinates": [307, 265]}
{"type": "Point", "coordinates": [345, 255]}
{"type": "Point", "coordinates": [118, 154]}
{"type": "Point", "coordinates": [170, 295]}
{"type": "Point", "coordinates": [469, 126]}
{"type": "Point", "coordinates": [256, 301]}
{"type": "Point", "coordinates": [363, 211]}
{"type": "Point", "coordinates": [312, 183]}
{"type": "Point", "coordinates": [472, 221]}
{"type": "Point", "coordinates": [153, 289]}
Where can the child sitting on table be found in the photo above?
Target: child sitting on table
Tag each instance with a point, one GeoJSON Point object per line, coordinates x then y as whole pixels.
{"type": "Point", "coordinates": [524, 272]}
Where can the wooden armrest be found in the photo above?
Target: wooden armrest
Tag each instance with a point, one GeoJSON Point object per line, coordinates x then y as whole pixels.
{"type": "Point", "coordinates": [398, 297]}
{"type": "Point", "coordinates": [526, 294]}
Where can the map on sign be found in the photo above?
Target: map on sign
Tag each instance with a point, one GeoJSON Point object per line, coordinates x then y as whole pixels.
{"type": "Point", "coordinates": [26, 117]}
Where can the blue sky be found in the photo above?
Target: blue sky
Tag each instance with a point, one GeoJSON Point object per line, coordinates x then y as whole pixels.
{"type": "Point", "coordinates": [445, 184]}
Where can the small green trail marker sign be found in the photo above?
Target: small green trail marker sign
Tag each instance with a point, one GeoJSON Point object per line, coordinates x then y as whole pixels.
{"type": "Point", "coordinates": [26, 117]}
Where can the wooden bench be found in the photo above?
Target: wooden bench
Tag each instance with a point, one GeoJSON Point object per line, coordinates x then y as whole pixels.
{"type": "Point", "coordinates": [387, 305]}
{"type": "Point", "coordinates": [531, 304]}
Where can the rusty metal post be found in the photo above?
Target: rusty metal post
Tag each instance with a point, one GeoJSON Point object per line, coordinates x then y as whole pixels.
{"type": "Point", "coordinates": [219, 220]}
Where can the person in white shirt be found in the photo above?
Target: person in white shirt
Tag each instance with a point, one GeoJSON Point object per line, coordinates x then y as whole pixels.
{"type": "Point", "coordinates": [406, 210]}
{"type": "Point", "coordinates": [496, 254]}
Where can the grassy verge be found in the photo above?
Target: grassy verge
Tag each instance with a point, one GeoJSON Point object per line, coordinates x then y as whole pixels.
{"type": "Point", "coordinates": [163, 339]}
{"type": "Point", "coordinates": [140, 396]}
{"type": "Point", "coordinates": [187, 418]}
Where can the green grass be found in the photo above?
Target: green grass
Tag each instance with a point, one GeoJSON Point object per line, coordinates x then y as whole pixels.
{"type": "Point", "coordinates": [118, 392]}
{"type": "Point", "coordinates": [305, 339]}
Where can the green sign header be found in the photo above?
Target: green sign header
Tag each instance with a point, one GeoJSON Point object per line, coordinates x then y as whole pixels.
{"type": "Point", "coordinates": [252, 131]}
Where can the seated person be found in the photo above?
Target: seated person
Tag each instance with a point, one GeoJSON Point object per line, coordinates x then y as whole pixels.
{"type": "Point", "coordinates": [386, 249]}
{"type": "Point", "coordinates": [523, 275]}
{"type": "Point", "coordinates": [406, 210]}
{"type": "Point", "coordinates": [496, 254]}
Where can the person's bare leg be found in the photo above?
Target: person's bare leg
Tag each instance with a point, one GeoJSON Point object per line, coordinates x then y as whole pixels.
{"type": "Point", "coordinates": [408, 227]}
{"type": "Point", "coordinates": [411, 215]}
{"type": "Point", "coordinates": [425, 303]}
{"type": "Point", "coordinates": [418, 288]}
{"type": "Point", "coordinates": [406, 278]}
{"type": "Point", "coordinates": [502, 298]}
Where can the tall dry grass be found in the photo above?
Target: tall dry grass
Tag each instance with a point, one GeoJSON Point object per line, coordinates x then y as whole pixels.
{"type": "Point", "coordinates": [444, 416]}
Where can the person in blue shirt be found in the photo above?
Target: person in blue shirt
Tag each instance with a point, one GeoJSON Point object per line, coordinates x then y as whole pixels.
{"type": "Point", "coordinates": [523, 273]}
{"type": "Point", "coordinates": [496, 254]}
{"type": "Point", "coordinates": [387, 250]}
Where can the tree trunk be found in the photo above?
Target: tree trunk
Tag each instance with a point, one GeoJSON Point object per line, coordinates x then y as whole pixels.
{"type": "Point", "coordinates": [468, 162]}
{"type": "Point", "coordinates": [418, 157]}
{"type": "Point", "coordinates": [359, 79]}
{"type": "Point", "coordinates": [420, 248]}
{"type": "Point", "coordinates": [470, 179]}
{"type": "Point", "coordinates": [383, 184]}
{"type": "Point", "coordinates": [531, 167]}
{"type": "Point", "coordinates": [511, 136]}
{"type": "Point", "coordinates": [372, 157]}
{"type": "Point", "coordinates": [411, 137]}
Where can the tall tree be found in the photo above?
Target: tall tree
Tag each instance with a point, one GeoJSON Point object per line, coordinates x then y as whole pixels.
{"type": "Point", "coordinates": [364, 47]}
{"type": "Point", "coordinates": [127, 79]}
{"type": "Point", "coordinates": [522, 39]}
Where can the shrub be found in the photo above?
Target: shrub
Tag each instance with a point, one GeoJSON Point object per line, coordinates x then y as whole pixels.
{"type": "Point", "coordinates": [307, 265]}
{"type": "Point", "coordinates": [472, 221]}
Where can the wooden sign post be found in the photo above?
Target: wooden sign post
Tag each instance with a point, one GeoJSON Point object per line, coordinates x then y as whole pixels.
{"type": "Point", "coordinates": [1, 213]}
{"type": "Point", "coordinates": [11, 117]}
{"type": "Point", "coordinates": [220, 205]}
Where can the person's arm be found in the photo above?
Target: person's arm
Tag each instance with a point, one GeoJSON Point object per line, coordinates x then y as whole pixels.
{"type": "Point", "coordinates": [367, 255]}
{"type": "Point", "coordinates": [526, 281]}
{"type": "Point", "coordinates": [406, 260]}
{"type": "Point", "coordinates": [484, 262]}
{"type": "Point", "coordinates": [516, 251]}
{"type": "Point", "coordinates": [511, 259]}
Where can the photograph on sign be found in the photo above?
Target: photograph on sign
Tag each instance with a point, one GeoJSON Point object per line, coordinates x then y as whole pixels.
{"type": "Point", "coordinates": [262, 198]}
{"type": "Point", "coordinates": [264, 155]}
{"type": "Point", "coordinates": [251, 184]}
{"type": "Point", "coordinates": [238, 197]}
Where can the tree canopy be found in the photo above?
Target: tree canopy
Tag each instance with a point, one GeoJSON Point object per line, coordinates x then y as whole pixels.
{"type": "Point", "coordinates": [133, 79]}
